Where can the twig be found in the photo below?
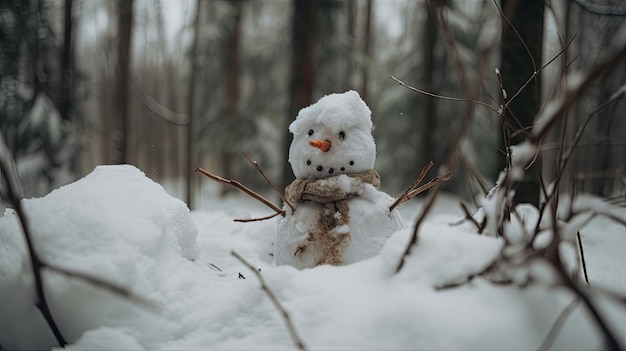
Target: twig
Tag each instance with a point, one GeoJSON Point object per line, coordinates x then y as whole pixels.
{"type": "Point", "coordinates": [454, 147]}
{"type": "Point", "coordinates": [155, 106]}
{"type": "Point", "coordinates": [110, 287]}
{"type": "Point", "coordinates": [530, 79]}
{"type": "Point", "coordinates": [473, 173]}
{"type": "Point", "coordinates": [14, 196]}
{"type": "Point", "coordinates": [582, 256]}
{"type": "Point", "coordinates": [611, 340]}
{"type": "Point", "coordinates": [419, 179]}
{"type": "Point", "coordinates": [437, 180]}
{"type": "Point", "coordinates": [283, 313]}
{"type": "Point", "coordinates": [258, 168]}
{"type": "Point", "coordinates": [558, 325]}
{"type": "Point", "coordinates": [517, 34]}
{"type": "Point", "coordinates": [443, 97]}
{"type": "Point", "coordinates": [241, 187]}
{"type": "Point", "coordinates": [506, 134]}
{"type": "Point", "coordinates": [256, 219]}
{"type": "Point", "coordinates": [469, 217]}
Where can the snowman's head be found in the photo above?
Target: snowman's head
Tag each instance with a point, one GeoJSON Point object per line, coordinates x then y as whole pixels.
{"type": "Point", "coordinates": [331, 137]}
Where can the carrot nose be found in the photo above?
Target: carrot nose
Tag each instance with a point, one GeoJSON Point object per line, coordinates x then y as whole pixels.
{"type": "Point", "coordinates": [323, 145]}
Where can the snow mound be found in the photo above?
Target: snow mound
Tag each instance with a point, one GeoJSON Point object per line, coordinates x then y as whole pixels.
{"type": "Point", "coordinates": [115, 224]}
{"type": "Point", "coordinates": [119, 226]}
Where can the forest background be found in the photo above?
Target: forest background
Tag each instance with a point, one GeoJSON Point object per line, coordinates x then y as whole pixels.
{"type": "Point", "coordinates": [171, 85]}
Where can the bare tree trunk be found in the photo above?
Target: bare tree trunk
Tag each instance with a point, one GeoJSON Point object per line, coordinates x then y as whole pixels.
{"type": "Point", "coordinates": [351, 28]}
{"type": "Point", "coordinates": [191, 93]}
{"type": "Point", "coordinates": [425, 104]}
{"type": "Point", "coordinates": [516, 67]}
{"type": "Point", "coordinates": [367, 45]}
{"type": "Point", "coordinates": [302, 70]}
{"type": "Point", "coordinates": [119, 139]}
{"type": "Point", "coordinates": [232, 94]}
{"type": "Point", "coordinates": [67, 61]}
{"type": "Point", "coordinates": [598, 167]}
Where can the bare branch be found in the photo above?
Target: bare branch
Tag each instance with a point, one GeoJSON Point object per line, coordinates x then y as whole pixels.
{"type": "Point", "coordinates": [530, 55]}
{"type": "Point", "coordinates": [241, 187]}
{"type": "Point", "coordinates": [13, 194]}
{"type": "Point", "coordinates": [283, 313]}
{"type": "Point", "coordinates": [582, 257]}
{"type": "Point", "coordinates": [558, 325]}
{"type": "Point", "coordinates": [258, 168]}
{"type": "Point", "coordinates": [445, 97]}
{"type": "Point", "coordinates": [536, 72]}
{"type": "Point", "coordinates": [257, 219]}
{"type": "Point", "coordinates": [419, 179]}
{"type": "Point", "coordinates": [156, 107]}
{"type": "Point", "coordinates": [469, 217]}
{"type": "Point", "coordinates": [110, 287]}
{"type": "Point", "coordinates": [437, 180]}
{"type": "Point", "coordinates": [473, 173]}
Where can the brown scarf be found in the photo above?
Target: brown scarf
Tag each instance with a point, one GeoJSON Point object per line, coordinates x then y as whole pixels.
{"type": "Point", "coordinates": [329, 234]}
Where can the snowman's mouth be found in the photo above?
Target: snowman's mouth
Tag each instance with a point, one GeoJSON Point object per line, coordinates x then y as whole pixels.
{"type": "Point", "coordinates": [323, 145]}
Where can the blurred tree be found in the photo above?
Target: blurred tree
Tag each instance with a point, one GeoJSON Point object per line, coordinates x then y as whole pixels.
{"type": "Point", "coordinates": [230, 122]}
{"type": "Point", "coordinates": [425, 104]}
{"type": "Point", "coordinates": [598, 163]}
{"type": "Point", "coordinates": [303, 68]}
{"type": "Point", "coordinates": [118, 134]}
{"type": "Point", "coordinates": [191, 94]}
{"type": "Point", "coordinates": [521, 48]}
{"type": "Point", "coordinates": [38, 137]}
{"type": "Point", "coordinates": [66, 95]}
{"type": "Point", "coordinates": [367, 49]}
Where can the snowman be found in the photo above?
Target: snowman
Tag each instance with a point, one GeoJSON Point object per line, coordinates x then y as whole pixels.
{"type": "Point", "coordinates": [339, 215]}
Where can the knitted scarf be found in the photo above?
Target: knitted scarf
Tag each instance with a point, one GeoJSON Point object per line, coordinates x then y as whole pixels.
{"type": "Point", "coordinates": [331, 232]}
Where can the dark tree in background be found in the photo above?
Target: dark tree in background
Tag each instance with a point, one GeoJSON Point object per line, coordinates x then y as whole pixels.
{"type": "Point", "coordinates": [521, 56]}
{"type": "Point", "coordinates": [36, 78]}
{"type": "Point", "coordinates": [230, 116]}
{"type": "Point", "coordinates": [66, 91]}
{"type": "Point", "coordinates": [598, 164]}
{"type": "Point", "coordinates": [118, 138]}
{"type": "Point", "coordinates": [305, 14]}
{"type": "Point", "coordinates": [191, 94]}
{"type": "Point", "coordinates": [426, 105]}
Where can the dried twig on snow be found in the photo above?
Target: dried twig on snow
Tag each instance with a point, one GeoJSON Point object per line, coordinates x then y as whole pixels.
{"type": "Point", "coordinates": [558, 325]}
{"type": "Point", "coordinates": [283, 313]}
{"type": "Point", "coordinates": [582, 257]}
{"type": "Point", "coordinates": [14, 197]}
{"type": "Point", "coordinates": [245, 220]}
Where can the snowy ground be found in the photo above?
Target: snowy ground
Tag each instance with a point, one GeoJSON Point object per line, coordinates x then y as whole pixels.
{"type": "Point", "coordinates": [118, 225]}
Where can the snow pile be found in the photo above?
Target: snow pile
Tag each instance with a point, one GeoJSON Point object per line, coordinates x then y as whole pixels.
{"type": "Point", "coordinates": [120, 226]}
{"type": "Point", "coordinates": [115, 225]}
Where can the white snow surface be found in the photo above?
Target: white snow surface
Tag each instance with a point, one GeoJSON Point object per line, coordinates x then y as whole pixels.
{"type": "Point", "coordinates": [120, 226]}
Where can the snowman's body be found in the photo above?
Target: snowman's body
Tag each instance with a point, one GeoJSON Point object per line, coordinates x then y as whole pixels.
{"type": "Point", "coordinates": [333, 152]}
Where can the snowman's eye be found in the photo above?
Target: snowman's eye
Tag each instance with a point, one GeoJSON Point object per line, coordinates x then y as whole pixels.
{"type": "Point", "coordinates": [310, 132]}
{"type": "Point", "coordinates": [342, 135]}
